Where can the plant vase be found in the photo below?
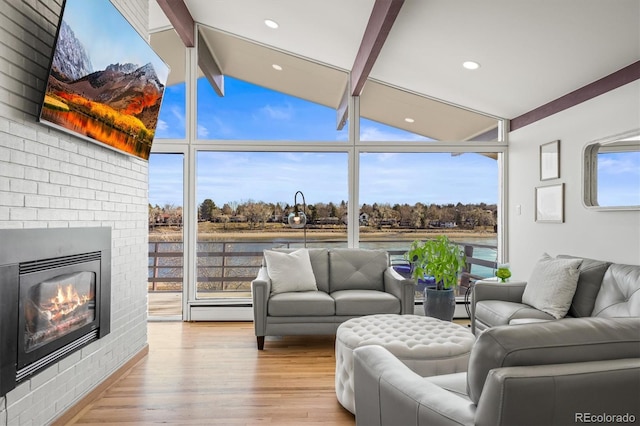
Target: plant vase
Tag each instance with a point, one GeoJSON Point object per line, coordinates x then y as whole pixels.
{"type": "Point", "coordinates": [440, 304]}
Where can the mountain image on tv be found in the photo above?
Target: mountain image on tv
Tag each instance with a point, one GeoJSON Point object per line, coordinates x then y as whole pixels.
{"type": "Point", "coordinates": [117, 104]}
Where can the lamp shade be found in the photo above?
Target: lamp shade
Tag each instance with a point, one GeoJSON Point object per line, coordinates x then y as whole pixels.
{"type": "Point", "coordinates": [297, 220]}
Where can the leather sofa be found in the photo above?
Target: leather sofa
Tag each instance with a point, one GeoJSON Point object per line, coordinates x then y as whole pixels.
{"type": "Point", "coordinates": [603, 289]}
{"type": "Point", "coordinates": [350, 283]}
{"type": "Point", "coordinates": [572, 371]}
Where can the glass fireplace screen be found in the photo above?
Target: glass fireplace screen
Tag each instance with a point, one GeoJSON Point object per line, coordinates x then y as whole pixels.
{"type": "Point", "coordinates": [58, 306]}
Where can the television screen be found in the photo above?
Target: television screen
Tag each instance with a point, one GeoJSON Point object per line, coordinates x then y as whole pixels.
{"type": "Point", "coordinates": [105, 82]}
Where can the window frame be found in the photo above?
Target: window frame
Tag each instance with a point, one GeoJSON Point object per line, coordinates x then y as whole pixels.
{"type": "Point", "coordinates": [191, 145]}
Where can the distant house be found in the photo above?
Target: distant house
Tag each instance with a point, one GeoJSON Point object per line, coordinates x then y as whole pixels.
{"type": "Point", "coordinates": [276, 218]}
{"type": "Point", "coordinates": [328, 221]}
{"type": "Point", "coordinates": [364, 219]}
{"type": "Point", "coordinates": [388, 222]}
{"type": "Point", "coordinates": [406, 223]}
{"type": "Point", "coordinates": [441, 224]}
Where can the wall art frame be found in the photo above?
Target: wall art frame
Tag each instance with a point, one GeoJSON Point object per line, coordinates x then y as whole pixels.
{"type": "Point", "coordinates": [550, 160]}
{"type": "Point", "coordinates": [550, 203]}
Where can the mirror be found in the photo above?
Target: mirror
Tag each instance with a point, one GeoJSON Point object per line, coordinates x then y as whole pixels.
{"type": "Point", "coordinates": [612, 173]}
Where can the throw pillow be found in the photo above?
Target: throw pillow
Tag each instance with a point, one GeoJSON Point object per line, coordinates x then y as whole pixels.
{"type": "Point", "coordinates": [552, 285]}
{"type": "Point", "coordinates": [290, 271]}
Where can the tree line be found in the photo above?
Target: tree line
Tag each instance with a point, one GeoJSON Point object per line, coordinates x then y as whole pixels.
{"type": "Point", "coordinates": [258, 213]}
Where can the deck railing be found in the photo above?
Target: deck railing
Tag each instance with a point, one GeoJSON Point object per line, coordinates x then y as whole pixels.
{"type": "Point", "coordinates": [227, 267]}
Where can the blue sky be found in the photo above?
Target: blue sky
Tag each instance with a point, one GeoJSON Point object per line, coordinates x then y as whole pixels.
{"type": "Point", "coordinates": [250, 112]}
{"type": "Point", "coordinates": [275, 176]}
{"type": "Point", "coordinates": [619, 179]}
{"type": "Point", "coordinates": [108, 37]}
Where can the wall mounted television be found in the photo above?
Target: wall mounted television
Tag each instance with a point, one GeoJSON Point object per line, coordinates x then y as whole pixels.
{"type": "Point", "coordinates": [105, 82]}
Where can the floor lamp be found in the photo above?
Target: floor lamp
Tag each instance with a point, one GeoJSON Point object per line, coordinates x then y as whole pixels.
{"type": "Point", "coordinates": [298, 219]}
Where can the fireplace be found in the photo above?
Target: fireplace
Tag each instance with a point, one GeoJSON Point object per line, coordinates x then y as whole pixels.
{"type": "Point", "coordinates": [55, 296]}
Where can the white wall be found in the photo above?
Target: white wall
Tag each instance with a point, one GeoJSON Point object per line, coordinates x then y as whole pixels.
{"type": "Point", "coordinates": [51, 179]}
{"type": "Point", "coordinates": [612, 236]}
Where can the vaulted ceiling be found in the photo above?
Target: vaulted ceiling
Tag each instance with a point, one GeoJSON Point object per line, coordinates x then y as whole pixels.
{"type": "Point", "coordinates": [530, 53]}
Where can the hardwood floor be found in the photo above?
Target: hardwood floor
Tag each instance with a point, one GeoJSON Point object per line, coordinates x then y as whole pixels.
{"type": "Point", "coordinates": [211, 373]}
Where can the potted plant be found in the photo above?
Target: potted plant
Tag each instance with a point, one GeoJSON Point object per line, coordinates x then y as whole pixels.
{"type": "Point", "coordinates": [443, 260]}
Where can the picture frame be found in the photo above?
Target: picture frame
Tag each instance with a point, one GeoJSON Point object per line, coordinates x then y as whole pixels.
{"type": "Point", "coordinates": [550, 160]}
{"type": "Point", "coordinates": [550, 203]}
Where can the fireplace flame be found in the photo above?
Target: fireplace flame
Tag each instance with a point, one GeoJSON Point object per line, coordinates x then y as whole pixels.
{"type": "Point", "coordinates": [66, 300]}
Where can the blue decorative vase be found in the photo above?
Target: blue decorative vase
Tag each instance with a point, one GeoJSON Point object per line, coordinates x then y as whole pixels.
{"type": "Point", "coordinates": [440, 304]}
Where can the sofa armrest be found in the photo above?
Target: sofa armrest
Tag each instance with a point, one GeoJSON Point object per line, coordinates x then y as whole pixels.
{"type": "Point", "coordinates": [402, 288]}
{"type": "Point", "coordinates": [486, 290]}
{"type": "Point", "coordinates": [560, 393]}
{"type": "Point", "coordinates": [387, 392]}
{"type": "Point", "coordinates": [508, 292]}
{"type": "Point", "coordinates": [260, 291]}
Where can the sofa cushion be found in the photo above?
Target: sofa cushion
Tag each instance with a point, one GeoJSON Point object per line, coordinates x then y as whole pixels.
{"type": "Point", "coordinates": [552, 285]}
{"type": "Point", "coordinates": [591, 274]}
{"type": "Point", "coordinates": [498, 312]}
{"type": "Point", "coordinates": [319, 263]}
{"type": "Point", "coordinates": [554, 342]}
{"type": "Point", "coordinates": [290, 271]}
{"type": "Point", "coordinates": [357, 269]}
{"type": "Point", "coordinates": [365, 302]}
{"type": "Point", "coordinates": [619, 294]}
{"type": "Point", "coordinates": [301, 304]}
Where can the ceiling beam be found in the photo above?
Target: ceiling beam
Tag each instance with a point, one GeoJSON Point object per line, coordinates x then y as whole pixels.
{"type": "Point", "coordinates": [612, 81]}
{"type": "Point", "coordinates": [382, 17]}
{"type": "Point", "coordinates": [185, 26]}
{"type": "Point", "coordinates": [342, 112]}
{"type": "Point", "coordinates": [209, 66]}
{"type": "Point", "coordinates": [181, 19]}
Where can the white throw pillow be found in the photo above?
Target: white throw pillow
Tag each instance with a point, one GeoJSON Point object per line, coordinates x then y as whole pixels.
{"type": "Point", "coordinates": [552, 285]}
{"type": "Point", "coordinates": [290, 271]}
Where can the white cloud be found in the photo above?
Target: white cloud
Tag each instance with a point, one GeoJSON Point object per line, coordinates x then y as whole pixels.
{"type": "Point", "coordinates": [620, 164]}
{"type": "Point", "coordinates": [285, 112]}
{"type": "Point", "coordinates": [203, 132]}
{"type": "Point", "coordinates": [178, 113]}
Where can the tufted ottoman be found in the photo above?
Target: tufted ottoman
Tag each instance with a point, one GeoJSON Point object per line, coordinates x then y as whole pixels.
{"type": "Point", "coordinates": [426, 345]}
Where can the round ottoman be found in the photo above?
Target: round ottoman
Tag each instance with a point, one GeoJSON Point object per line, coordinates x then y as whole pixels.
{"type": "Point", "coordinates": [428, 346]}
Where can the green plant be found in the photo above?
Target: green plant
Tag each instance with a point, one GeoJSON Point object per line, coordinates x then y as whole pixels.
{"type": "Point", "coordinates": [503, 272]}
{"type": "Point", "coordinates": [439, 258]}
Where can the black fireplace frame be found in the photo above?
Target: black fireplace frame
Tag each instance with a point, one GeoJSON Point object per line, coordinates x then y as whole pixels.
{"type": "Point", "coordinates": [20, 246]}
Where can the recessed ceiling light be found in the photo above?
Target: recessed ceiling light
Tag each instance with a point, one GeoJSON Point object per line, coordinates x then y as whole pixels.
{"type": "Point", "coordinates": [276, 67]}
{"type": "Point", "coordinates": [409, 120]}
{"type": "Point", "coordinates": [470, 65]}
{"type": "Point", "coordinates": [271, 23]}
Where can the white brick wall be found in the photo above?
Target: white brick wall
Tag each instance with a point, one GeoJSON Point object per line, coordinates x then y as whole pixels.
{"type": "Point", "coordinates": [51, 179]}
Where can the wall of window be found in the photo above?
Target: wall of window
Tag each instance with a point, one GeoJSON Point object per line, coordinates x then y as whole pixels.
{"type": "Point", "coordinates": [369, 185]}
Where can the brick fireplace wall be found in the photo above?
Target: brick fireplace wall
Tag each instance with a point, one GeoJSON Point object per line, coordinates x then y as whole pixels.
{"type": "Point", "coordinates": [51, 179]}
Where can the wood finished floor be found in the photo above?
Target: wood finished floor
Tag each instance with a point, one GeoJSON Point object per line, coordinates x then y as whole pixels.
{"type": "Point", "coordinates": [210, 373]}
